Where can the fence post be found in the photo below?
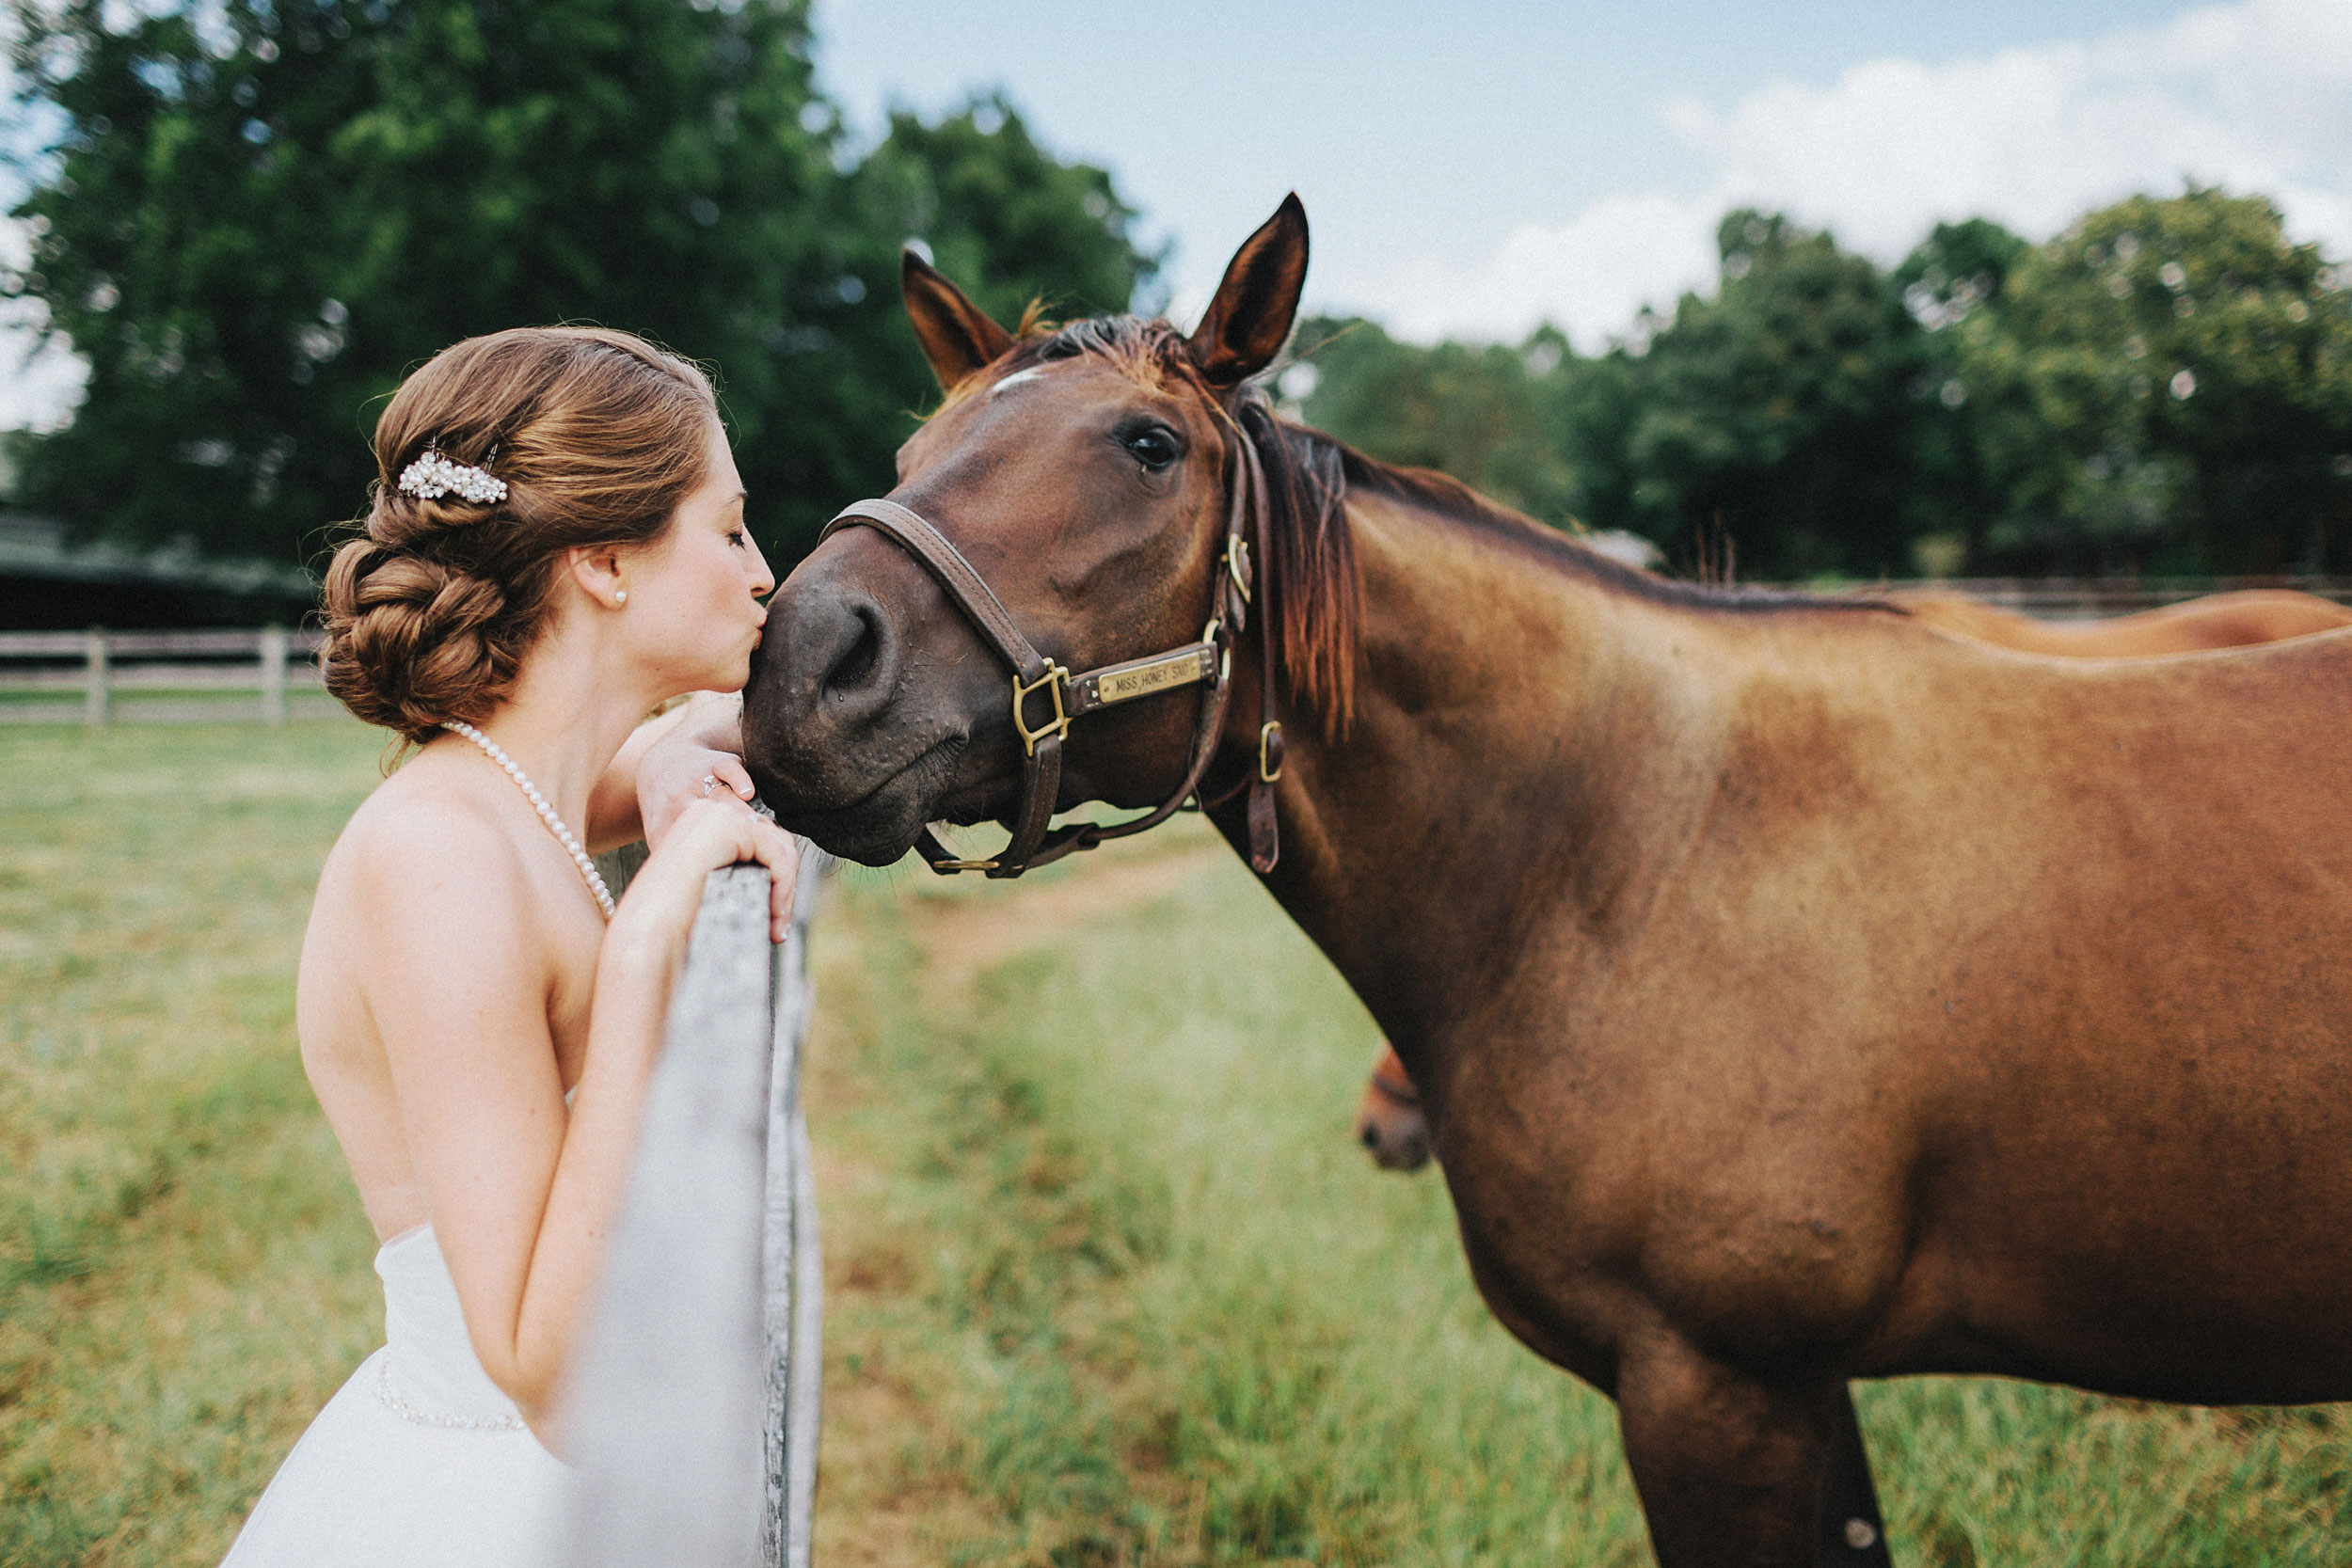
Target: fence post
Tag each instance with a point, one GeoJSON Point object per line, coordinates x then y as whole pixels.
{"type": "Point", "coordinates": [691, 1409]}
{"type": "Point", "coordinates": [94, 693]}
{"type": "Point", "coordinates": [272, 675]}
{"type": "Point", "coordinates": [663, 1408]}
{"type": "Point", "coordinates": [794, 1309]}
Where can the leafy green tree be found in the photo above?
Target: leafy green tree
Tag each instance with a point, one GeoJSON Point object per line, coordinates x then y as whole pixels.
{"type": "Point", "coordinates": [1956, 272]}
{"type": "Point", "coordinates": [1589, 406]}
{"type": "Point", "coordinates": [175, 244]}
{"type": "Point", "coordinates": [1958, 269]}
{"type": "Point", "coordinates": [1780, 411]}
{"type": "Point", "coordinates": [1781, 415]}
{"type": "Point", "coordinates": [2168, 387]}
{"type": "Point", "coordinates": [1471, 412]}
{"type": "Point", "coordinates": [1011, 225]}
{"type": "Point", "coordinates": [262, 214]}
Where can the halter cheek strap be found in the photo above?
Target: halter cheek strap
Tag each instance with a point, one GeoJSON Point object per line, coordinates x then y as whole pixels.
{"type": "Point", "coordinates": [1265, 769]}
{"type": "Point", "coordinates": [1047, 697]}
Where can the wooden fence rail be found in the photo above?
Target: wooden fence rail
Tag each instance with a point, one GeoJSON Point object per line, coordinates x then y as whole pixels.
{"type": "Point", "coordinates": [85, 675]}
{"type": "Point", "coordinates": [99, 677]}
{"type": "Point", "coordinates": [692, 1412]}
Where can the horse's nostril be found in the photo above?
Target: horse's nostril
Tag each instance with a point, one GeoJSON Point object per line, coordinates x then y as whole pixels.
{"type": "Point", "coordinates": [1369, 1134]}
{"type": "Point", "coordinates": [854, 664]}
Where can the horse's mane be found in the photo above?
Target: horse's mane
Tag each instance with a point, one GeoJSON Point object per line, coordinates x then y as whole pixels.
{"type": "Point", "coordinates": [1449, 498]}
{"type": "Point", "coordinates": [1317, 590]}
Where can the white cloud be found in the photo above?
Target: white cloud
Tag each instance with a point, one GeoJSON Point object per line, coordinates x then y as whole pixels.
{"type": "Point", "coordinates": [1590, 274]}
{"type": "Point", "coordinates": [2256, 97]}
{"type": "Point", "coordinates": [40, 380]}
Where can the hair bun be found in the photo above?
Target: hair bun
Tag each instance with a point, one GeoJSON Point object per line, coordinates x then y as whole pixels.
{"type": "Point", "coordinates": [412, 641]}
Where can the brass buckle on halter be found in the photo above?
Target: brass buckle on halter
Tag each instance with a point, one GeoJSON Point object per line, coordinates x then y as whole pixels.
{"type": "Point", "coordinates": [1270, 739]}
{"type": "Point", "coordinates": [944, 867]}
{"type": "Point", "coordinates": [1237, 564]}
{"type": "Point", "coordinates": [1059, 724]}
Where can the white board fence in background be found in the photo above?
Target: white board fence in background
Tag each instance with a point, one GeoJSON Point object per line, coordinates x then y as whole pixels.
{"type": "Point", "coordinates": [105, 677]}
{"type": "Point", "coordinates": [693, 1411]}
{"type": "Point", "coordinates": [100, 677]}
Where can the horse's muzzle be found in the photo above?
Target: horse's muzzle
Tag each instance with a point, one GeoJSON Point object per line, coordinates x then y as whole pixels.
{"type": "Point", "coordinates": [843, 744]}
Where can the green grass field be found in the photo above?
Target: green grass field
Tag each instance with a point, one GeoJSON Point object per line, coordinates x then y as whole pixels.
{"type": "Point", "coordinates": [1109, 1282]}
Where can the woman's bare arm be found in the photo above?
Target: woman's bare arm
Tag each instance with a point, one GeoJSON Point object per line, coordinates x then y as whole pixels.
{"type": "Point", "coordinates": [459, 977]}
{"type": "Point", "coordinates": [659, 771]}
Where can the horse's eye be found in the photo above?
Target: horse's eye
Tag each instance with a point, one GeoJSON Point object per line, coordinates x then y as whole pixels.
{"type": "Point", "coordinates": [1151, 446]}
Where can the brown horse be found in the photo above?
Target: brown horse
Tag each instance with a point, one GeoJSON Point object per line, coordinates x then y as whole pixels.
{"type": "Point", "coordinates": [1390, 1121]}
{"type": "Point", "coordinates": [2217, 621]}
{"type": "Point", "coordinates": [1797, 993]}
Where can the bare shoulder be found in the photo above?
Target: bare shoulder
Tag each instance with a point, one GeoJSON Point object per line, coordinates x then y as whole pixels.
{"type": "Point", "coordinates": [426, 842]}
{"type": "Point", "coordinates": [426, 876]}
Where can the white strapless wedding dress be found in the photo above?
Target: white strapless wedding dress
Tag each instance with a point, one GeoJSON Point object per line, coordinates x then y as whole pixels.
{"type": "Point", "coordinates": [418, 1459]}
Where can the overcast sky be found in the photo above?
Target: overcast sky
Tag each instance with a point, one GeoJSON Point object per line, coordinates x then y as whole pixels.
{"type": "Point", "coordinates": [1476, 168]}
{"type": "Point", "coordinates": [1473, 169]}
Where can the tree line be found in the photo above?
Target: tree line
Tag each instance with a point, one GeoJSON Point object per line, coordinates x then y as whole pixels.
{"type": "Point", "coordinates": [2165, 387]}
{"type": "Point", "coordinates": [258, 214]}
{"type": "Point", "coordinates": [255, 216]}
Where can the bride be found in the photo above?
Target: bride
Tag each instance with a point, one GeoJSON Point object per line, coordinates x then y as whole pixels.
{"type": "Point", "coordinates": [555, 547]}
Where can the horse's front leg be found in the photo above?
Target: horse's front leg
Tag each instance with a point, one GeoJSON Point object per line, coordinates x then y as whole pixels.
{"type": "Point", "coordinates": [1731, 1468]}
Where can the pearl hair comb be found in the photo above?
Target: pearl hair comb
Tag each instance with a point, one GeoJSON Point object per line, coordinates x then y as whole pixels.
{"type": "Point", "coordinates": [433, 476]}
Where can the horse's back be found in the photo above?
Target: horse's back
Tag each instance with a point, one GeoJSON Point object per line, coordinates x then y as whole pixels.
{"type": "Point", "coordinates": [2232, 620]}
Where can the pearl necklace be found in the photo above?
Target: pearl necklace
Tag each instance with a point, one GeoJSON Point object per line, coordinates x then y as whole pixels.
{"type": "Point", "coordinates": [547, 812]}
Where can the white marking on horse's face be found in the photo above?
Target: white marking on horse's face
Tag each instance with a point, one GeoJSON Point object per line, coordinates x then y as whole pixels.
{"type": "Point", "coordinates": [1016, 378]}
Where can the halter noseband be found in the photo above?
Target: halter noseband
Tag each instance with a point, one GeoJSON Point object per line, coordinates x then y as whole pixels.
{"type": "Point", "coordinates": [1039, 683]}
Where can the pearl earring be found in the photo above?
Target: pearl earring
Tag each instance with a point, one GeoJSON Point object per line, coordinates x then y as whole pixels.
{"type": "Point", "coordinates": [621, 598]}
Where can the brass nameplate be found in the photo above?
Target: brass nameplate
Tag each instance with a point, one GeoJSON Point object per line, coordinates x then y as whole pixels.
{"type": "Point", "coordinates": [1119, 686]}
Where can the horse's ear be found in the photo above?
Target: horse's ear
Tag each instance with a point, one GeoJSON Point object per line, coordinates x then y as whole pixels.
{"type": "Point", "coordinates": [958, 338]}
{"type": "Point", "coordinates": [1250, 318]}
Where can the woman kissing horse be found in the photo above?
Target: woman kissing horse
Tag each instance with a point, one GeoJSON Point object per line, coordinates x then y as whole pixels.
{"type": "Point", "coordinates": [1798, 993]}
{"type": "Point", "coordinates": [1390, 1121]}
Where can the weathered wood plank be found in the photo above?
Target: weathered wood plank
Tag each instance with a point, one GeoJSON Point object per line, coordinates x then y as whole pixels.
{"type": "Point", "coordinates": [794, 1305]}
{"type": "Point", "coordinates": [273, 674]}
{"type": "Point", "coordinates": [304, 640]}
{"type": "Point", "coordinates": [666, 1410]}
{"type": "Point", "coordinates": [126, 675]}
{"type": "Point", "coordinates": [788, 1375]}
{"type": "Point", "coordinates": [41, 644]}
{"type": "Point", "coordinates": [803, 1417]}
{"type": "Point", "coordinates": [140, 710]}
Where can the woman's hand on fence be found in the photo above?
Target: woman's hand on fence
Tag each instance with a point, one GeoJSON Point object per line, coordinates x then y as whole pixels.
{"type": "Point", "coordinates": [705, 835]}
{"type": "Point", "coordinates": [697, 760]}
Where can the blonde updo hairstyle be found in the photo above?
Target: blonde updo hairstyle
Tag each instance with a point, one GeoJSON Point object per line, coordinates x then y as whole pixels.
{"type": "Point", "coordinates": [597, 434]}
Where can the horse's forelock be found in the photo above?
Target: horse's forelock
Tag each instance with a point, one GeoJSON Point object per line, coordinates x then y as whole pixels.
{"type": "Point", "coordinates": [1148, 353]}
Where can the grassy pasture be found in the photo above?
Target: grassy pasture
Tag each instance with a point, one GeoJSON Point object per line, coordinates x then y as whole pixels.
{"type": "Point", "coordinates": [1108, 1284]}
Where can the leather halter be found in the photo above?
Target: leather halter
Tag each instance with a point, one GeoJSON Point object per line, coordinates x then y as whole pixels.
{"type": "Point", "coordinates": [1059, 699]}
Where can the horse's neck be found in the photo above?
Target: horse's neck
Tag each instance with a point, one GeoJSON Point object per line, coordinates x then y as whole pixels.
{"type": "Point", "coordinates": [1522, 755]}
